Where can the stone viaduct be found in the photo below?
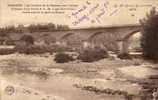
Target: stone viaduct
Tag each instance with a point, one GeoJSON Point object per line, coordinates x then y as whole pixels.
{"type": "Point", "coordinates": [121, 34]}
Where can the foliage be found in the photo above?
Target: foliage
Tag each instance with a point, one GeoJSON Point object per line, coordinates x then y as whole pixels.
{"type": "Point", "coordinates": [46, 27]}
{"type": "Point", "coordinates": [28, 39]}
{"type": "Point", "coordinates": [32, 49]}
{"type": "Point", "coordinates": [124, 56]}
{"type": "Point", "coordinates": [6, 51]}
{"type": "Point", "coordinates": [91, 55]}
{"type": "Point", "coordinates": [150, 35]}
{"type": "Point", "coordinates": [63, 58]}
{"type": "Point", "coordinates": [40, 49]}
{"type": "Point", "coordinates": [11, 29]}
{"type": "Point", "coordinates": [32, 28]}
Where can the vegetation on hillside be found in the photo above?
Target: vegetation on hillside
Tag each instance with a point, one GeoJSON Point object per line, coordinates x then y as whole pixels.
{"type": "Point", "coordinates": [32, 28]}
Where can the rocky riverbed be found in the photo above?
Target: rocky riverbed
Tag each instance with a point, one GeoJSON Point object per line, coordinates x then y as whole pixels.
{"type": "Point", "coordinates": [40, 78]}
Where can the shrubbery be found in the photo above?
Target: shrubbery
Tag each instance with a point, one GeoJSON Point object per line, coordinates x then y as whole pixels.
{"type": "Point", "coordinates": [49, 27]}
{"type": "Point", "coordinates": [150, 35]}
{"type": "Point", "coordinates": [6, 51]}
{"type": "Point", "coordinates": [39, 49]}
{"type": "Point", "coordinates": [28, 39]}
{"type": "Point", "coordinates": [32, 49]}
{"type": "Point", "coordinates": [124, 56]}
{"type": "Point", "coordinates": [91, 55]}
{"type": "Point", "coordinates": [62, 58]}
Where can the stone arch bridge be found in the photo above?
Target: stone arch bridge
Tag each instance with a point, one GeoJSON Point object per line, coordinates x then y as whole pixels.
{"type": "Point", "coordinates": [121, 34]}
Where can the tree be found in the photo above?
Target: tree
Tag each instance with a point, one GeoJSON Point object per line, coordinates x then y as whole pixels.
{"type": "Point", "coordinates": [20, 28]}
{"type": "Point", "coordinates": [32, 28]}
{"type": "Point", "coordinates": [28, 39]}
{"type": "Point", "coordinates": [11, 28]}
{"type": "Point", "coordinates": [3, 32]}
{"type": "Point", "coordinates": [51, 26]}
{"type": "Point", "coordinates": [150, 35]}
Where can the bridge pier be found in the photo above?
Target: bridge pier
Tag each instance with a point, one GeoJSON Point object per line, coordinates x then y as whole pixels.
{"type": "Point", "coordinates": [123, 46]}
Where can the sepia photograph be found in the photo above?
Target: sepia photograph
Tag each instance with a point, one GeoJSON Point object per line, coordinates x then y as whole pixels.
{"type": "Point", "coordinates": [78, 50]}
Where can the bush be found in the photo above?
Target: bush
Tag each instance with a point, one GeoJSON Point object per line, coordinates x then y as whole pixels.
{"type": "Point", "coordinates": [91, 55]}
{"type": "Point", "coordinates": [150, 35]}
{"type": "Point", "coordinates": [124, 56]}
{"type": "Point", "coordinates": [28, 39]}
{"type": "Point", "coordinates": [62, 58]}
{"type": "Point", "coordinates": [33, 49]}
{"type": "Point", "coordinates": [6, 51]}
{"type": "Point", "coordinates": [40, 49]}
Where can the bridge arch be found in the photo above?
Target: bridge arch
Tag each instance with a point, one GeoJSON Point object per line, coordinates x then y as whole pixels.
{"type": "Point", "coordinates": [130, 34]}
{"type": "Point", "coordinates": [62, 40]}
{"type": "Point", "coordinates": [94, 35]}
{"type": "Point", "coordinates": [105, 40]}
{"type": "Point", "coordinates": [126, 41]}
{"type": "Point", "coordinates": [66, 35]}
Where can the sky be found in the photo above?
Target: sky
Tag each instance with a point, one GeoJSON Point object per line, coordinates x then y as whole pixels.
{"type": "Point", "coordinates": [96, 13]}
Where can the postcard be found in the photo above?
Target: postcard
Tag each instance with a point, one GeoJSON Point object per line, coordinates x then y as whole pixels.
{"type": "Point", "coordinates": [78, 50]}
